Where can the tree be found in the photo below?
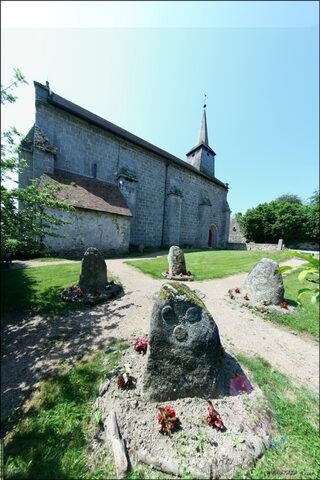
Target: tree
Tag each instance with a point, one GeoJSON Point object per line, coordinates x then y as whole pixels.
{"type": "Point", "coordinates": [289, 198]}
{"type": "Point", "coordinates": [293, 222]}
{"type": "Point", "coordinates": [23, 229]}
{"type": "Point", "coordinates": [315, 198]}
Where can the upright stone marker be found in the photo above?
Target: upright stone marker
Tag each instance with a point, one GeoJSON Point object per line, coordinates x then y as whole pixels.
{"type": "Point", "coordinates": [177, 263]}
{"type": "Point", "coordinates": [184, 351]}
{"type": "Point", "coordinates": [280, 245]}
{"type": "Point", "coordinates": [263, 284]}
{"type": "Point", "coordinates": [93, 273]}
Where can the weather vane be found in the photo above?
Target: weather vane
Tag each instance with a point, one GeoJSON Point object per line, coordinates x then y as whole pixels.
{"type": "Point", "coordinates": [204, 101]}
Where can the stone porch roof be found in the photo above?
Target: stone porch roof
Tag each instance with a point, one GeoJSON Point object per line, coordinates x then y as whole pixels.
{"type": "Point", "coordinates": [89, 193]}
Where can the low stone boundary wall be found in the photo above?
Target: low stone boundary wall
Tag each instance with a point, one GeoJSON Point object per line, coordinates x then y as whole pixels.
{"type": "Point", "coordinates": [252, 246]}
{"type": "Point", "coordinates": [306, 247]}
{"type": "Point", "coordinates": [313, 246]}
{"type": "Point", "coordinates": [236, 246]}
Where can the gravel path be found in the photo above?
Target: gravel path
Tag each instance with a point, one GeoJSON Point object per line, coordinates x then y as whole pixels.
{"type": "Point", "coordinates": [32, 346]}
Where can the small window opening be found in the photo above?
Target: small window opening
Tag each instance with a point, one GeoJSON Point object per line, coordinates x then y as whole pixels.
{"type": "Point", "coordinates": [94, 170]}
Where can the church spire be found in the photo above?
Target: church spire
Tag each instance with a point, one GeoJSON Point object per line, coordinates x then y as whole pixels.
{"type": "Point", "coordinates": [202, 157]}
{"type": "Point", "coordinates": [203, 132]}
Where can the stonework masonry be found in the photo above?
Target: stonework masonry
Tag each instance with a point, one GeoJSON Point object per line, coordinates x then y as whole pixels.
{"type": "Point", "coordinates": [91, 228]}
{"type": "Point", "coordinates": [170, 202]}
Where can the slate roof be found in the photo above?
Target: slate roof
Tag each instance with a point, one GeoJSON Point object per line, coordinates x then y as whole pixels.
{"type": "Point", "coordinates": [90, 117]}
{"type": "Point", "coordinates": [89, 193]}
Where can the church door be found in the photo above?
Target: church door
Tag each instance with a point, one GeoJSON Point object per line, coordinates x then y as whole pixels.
{"type": "Point", "coordinates": [210, 238]}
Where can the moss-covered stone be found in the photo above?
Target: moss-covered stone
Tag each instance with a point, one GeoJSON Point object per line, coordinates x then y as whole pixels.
{"type": "Point", "coordinates": [170, 290]}
{"type": "Point", "coordinates": [184, 354]}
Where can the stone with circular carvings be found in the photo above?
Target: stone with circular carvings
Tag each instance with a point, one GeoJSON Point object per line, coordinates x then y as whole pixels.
{"type": "Point", "coordinates": [184, 353]}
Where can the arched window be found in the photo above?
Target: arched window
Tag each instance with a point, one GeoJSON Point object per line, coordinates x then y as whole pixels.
{"type": "Point", "coordinates": [94, 170]}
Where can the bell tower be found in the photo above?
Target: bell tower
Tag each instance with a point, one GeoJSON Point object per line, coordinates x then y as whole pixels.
{"type": "Point", "coordinates": [202, 156]}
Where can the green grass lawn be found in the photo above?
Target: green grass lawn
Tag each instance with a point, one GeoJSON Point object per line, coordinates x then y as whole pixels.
{"type": "Point", "coordinates": [296, 450]}
{"type": "Point", "coordinates": [306, 317]}
{"type": "Point", "coordinates": [49, 437]}
{"type": "Point", "coordinates": [205, 265]}
{"type": "Point", "coordinates": [37, 288]}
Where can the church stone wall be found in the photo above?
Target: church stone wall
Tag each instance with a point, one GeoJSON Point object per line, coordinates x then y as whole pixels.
{"type": "Point", "coordinates": [195, 191]}
{"type": "Point", "coordinates": [108, 233]}
{"type": "Point", "coordinates": [27, 173]}
{"type": "Point", "coordinates": [80, 145]}
{"type": "Point", "coordinates": [150, 172]}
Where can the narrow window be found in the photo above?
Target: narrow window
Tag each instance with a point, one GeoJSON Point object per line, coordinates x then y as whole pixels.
{"type": "Point", "coordinates": [94, 170]}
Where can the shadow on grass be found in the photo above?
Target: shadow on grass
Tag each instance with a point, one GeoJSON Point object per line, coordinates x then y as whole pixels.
{"type": "Point", "coordinates": [50, 439]}
{"type": "Point", "coordinates": [33, 342]}
{"type": "Point", "coordinates": [20, 293]}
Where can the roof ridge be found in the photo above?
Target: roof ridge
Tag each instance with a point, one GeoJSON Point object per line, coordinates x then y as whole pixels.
{"type": "Point", "coordinates": [64, 104]}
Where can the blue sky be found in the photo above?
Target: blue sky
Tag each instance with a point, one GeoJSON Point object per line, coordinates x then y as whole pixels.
{"type": "Point", "coordinates": [146, 65]}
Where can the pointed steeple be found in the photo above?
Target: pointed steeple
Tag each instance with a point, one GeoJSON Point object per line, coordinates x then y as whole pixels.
{"type": "Point", "coordinates": [203, 132]}
{"type": "Point", "coordinates": [202, 156]}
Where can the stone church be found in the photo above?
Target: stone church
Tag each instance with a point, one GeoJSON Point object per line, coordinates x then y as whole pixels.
{"type": "Point", "coordinates": [125, 190]}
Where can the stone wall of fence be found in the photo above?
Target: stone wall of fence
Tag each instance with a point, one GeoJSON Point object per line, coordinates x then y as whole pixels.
{"type": "Point", "coordinates": [313, 246]}
{"type": "Point", "coordinates": [307, 246]}
{"type": "Point", "coordinates": [252, 246]}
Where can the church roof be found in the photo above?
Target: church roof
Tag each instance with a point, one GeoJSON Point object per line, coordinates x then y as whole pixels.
{"type": "Point", "coordinates": [70, 107]}
{"type": "Point", "coordinates": [89, 193]}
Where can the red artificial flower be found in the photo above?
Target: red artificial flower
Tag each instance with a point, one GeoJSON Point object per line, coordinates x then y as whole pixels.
{"type": "Point", "coordinates": [167, 418]}
{"type": "Point", "coordinates": [246, 297]}
{"type": "Point", "coordinates": [79, 293]}
{"type": "Point", "coordinates": [125, 381]}
{"type": "Point", "coordinates": [213, 418]}
{"type": "Point", "coordinates": [237, 290]}
{"type": "Point", "coordinates": [238, 384]}
{"type": "Point", "coordinates": [141, 345]}
{"type": "Point", "coordinates": [283, 304]}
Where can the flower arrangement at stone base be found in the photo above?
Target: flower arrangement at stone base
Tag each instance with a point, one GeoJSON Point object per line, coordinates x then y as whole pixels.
{"type": "Point", "coordinates": [239, 384]}
{"type": "Point", "coordinates": [93, 286]}
{"type": "Point", "coordinates": [281, 308]}
{"type": "Point", "coordinates": [263, 289]}
{"type": "Point", "coordinates": [141, 345]}
{"type": "Point", "coordinates": [284, 304]}
{"type": "Point", "coordinates": [75, 294]}
{"type": "Point", "coordinates": [177, 266]}
{"type": "Point", "coordinates": [166, 417]}
{"type": "Point", "coordinates": [213, 418]}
